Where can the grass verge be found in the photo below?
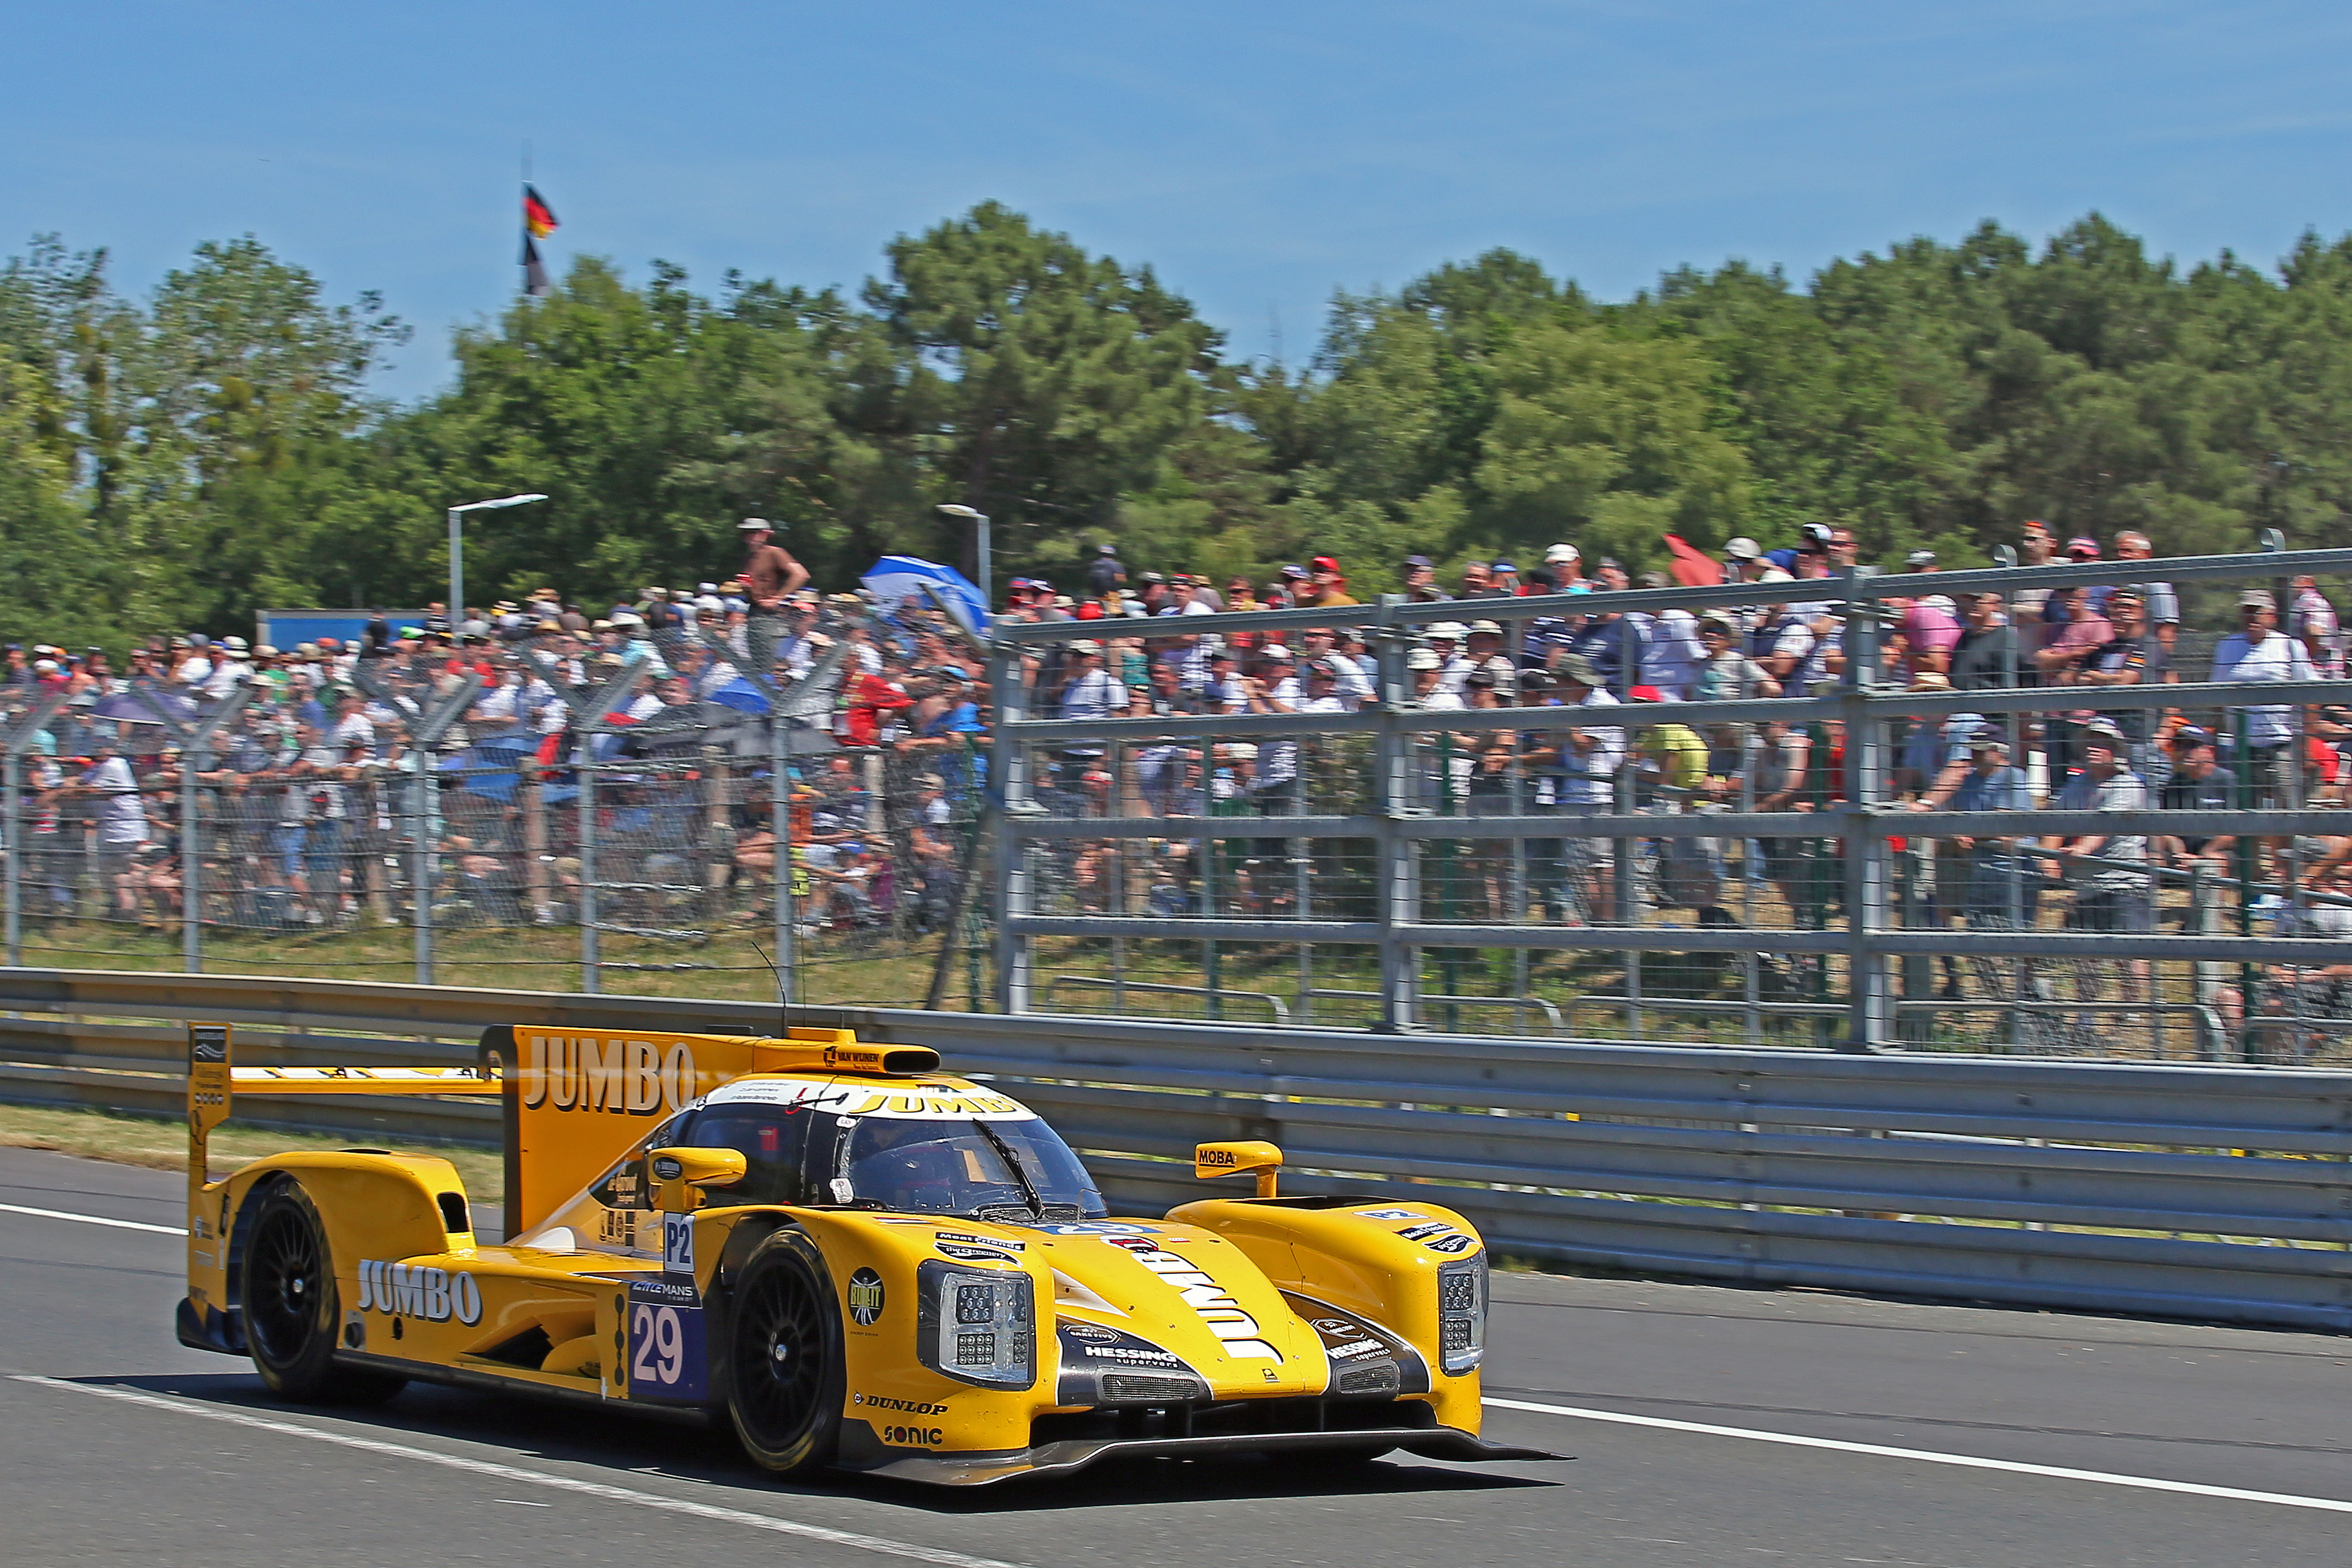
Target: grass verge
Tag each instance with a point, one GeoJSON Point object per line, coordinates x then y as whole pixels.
{"type": "Point", "coordinates": [162, 1145]}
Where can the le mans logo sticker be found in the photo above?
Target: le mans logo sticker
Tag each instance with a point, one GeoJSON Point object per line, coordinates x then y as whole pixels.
{"type": "Point", "coordinates": [865, 1298]}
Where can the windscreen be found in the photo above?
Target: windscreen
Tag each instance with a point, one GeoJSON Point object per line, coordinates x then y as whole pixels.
{"type": "Point", "coordinates": [1008, 1170]}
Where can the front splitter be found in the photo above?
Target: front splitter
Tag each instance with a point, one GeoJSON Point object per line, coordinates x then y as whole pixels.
{"type": "Point", "coordinates": [1061, 1458]}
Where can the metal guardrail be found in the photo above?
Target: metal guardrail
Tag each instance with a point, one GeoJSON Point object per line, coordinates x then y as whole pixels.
{"type": "Point", "coordinates": [2205, 1192]}
{"type": "Point", "coordinates": [1276, 1007]}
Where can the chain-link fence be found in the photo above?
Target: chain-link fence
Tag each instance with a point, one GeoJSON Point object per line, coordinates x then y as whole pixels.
{"type": "Point", "coordinates": [597, 811]}
{"type": "Point", "coordinates": [2027, 809]}
{"type": "Point", "coordinates": [2020, 809]}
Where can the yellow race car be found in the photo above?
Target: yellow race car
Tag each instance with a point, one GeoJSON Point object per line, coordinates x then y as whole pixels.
{"type": "Point", "coordinates": [854, 1260]}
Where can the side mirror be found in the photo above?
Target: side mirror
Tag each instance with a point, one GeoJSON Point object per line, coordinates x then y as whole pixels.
{"type": "Point", "coordinates": [1258, 1159]}
{"type": "Point", "coordinates": [679, 1175]}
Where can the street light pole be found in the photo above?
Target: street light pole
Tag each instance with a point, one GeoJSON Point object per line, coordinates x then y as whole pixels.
{"type": "Point", "coordinates": [458, 551]}
{"type": "Point", "coordinates": [987, 570]}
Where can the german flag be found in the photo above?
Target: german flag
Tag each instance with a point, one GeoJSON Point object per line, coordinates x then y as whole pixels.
{"type": "Point", "coordinates": [537, 215]}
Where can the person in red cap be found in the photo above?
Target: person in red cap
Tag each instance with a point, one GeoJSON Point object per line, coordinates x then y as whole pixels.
{"type": "Point", "coordinates": [1327, 585]}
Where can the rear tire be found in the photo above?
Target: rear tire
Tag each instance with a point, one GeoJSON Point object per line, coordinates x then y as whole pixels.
{"type": "Point", "coordinates": [286, 1289]}
{"type": "Point", "coordinates": [785, 1381]}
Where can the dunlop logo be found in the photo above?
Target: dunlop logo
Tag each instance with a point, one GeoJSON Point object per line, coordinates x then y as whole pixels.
{"type": "Point", "coordinates": [591, 1072]}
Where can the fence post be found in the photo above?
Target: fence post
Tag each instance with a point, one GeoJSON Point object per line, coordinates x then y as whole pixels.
{"type": "Point", "coordinates": [12, 785]}
{"type": "Point", "coordinates": [19, 735]}
{"type": "Point", "coordinates": [783, 931]}
{"type": "Point", "coordinates": [423, 852]}
{"type": "Point", "coordinates": [1394, 799]}
{"type": "Point", "coordinates": [591, 949]}
{"type": "Point", "coordinates": [528, 785]}
{"type": "Point", "coordinates": [1870, 1005]}
{"type": "Point", "coordinates": [195, 756]}
{"type": "Point", "coordinates": [1009, 796]}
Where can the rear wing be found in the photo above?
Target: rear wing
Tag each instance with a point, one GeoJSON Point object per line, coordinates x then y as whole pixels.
{"type": "Point", "coordinates": [575, 1101]}
{"type": "Point", "coordinates": [215, 1082]}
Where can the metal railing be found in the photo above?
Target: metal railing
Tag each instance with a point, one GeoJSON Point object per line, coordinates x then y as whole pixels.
{"type": "Point", "coordinates": [2208, 1192]}
{"type": "Point", "coordinates": [1381, 845]}
{"type": "Point", "coordinates": [592, 813]}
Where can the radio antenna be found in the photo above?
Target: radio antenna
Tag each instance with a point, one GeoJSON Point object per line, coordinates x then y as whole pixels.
{"type": "Point", "coordinates": [783, 1014]}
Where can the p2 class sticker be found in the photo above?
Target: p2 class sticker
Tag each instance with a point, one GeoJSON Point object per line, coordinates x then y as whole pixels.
{"type": "Point", "coordinates": [866, 1297]}
{"type": "Point", "coordinates": [677, 1245]}
{"type": "Point", "coordinates": [1389, 1213]}
{"type": "Point", "coordinates": [1089, 1349]}
{"type": "Point", "coordinates": [668, 1346]}
{"type": "Point", "coordinates": [1090, 1227]}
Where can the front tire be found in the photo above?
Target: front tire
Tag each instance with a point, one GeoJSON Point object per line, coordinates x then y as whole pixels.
{"type": "Point", "coordinates": [286, 1288]}
{"type": "Point", "coordinates": [785, 1382]}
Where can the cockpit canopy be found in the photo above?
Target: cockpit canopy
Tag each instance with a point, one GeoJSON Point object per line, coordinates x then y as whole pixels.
{"type": "Point", "coordinates": [928, 1155]}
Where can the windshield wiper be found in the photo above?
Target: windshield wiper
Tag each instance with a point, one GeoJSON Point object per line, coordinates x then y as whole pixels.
{"type": "Point", "coordinates": [1012, 1162]}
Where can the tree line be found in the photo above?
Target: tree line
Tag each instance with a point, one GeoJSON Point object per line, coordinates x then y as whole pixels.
{"type": "Point", "coordinates": [180, 460]}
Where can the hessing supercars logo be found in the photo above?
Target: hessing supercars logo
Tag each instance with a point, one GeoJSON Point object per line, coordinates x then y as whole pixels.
{"type": "Point", "coordinates": [1223, 1314]}
{"type": "Point", "coordinates": [587, 1072]}
{"type": "Point", "coordinates": [415, 1290]}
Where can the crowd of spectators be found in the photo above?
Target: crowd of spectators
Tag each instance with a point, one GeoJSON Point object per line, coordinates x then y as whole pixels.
{"type": "Point", "coordinates": [331, 779]}
{"type": "Point", "coordinates": [1588, 754]}
{"type": "Point", "coordinates": [312, 790]}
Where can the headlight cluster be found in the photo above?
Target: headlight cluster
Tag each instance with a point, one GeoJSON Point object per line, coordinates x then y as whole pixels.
{"type": "Point", "coordinates": [977, 1325]}
{"type": "Point", "coordinates": [1462, 1313]}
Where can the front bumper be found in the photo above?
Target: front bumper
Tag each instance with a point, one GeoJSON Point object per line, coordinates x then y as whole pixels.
{"type": "Point", "coordinates": [1073, 1454]}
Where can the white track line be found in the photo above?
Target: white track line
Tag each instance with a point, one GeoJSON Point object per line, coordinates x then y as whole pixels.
{"type": "Point", "coordinates": [634, 1499]}
{"type": "Point", "coordinates": [958, 1559]}
{"type": "Point", "coordinates": [1926, 1456]}
{"type": "Point", "coordinates": [93, 1219]}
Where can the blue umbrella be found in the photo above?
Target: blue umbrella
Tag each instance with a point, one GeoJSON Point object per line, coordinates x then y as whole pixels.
{"type": "Point", "coordinates": [896, 577]}
{"type": "Point", "coordinates": [741, 694]}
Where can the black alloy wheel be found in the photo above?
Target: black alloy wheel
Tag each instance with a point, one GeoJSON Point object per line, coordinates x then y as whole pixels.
{"type": "Point", "coordinates": [784, 1362]}
{"type": "Point", "coordinates": [286, 1289]}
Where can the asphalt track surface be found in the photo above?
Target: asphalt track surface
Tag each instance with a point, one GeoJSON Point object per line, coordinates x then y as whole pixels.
{"type": "Point", "coordinates": [117, 1445]}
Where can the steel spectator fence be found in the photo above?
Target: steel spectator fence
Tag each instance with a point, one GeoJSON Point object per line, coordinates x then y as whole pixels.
{"type": "Point", "coordinates": [1416, 866]}
{"type": "Point", "coordinates": [598, 817]}
{"type": "Point", "coordinates": [2207, 1192]}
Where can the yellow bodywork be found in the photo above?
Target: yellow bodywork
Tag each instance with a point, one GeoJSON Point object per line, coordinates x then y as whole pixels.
{"type": "Point", "coordinates": [1258, 1297]}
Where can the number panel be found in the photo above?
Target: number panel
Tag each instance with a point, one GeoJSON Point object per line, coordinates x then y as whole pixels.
{"type": "Point", "coordinates": [669, 1347]}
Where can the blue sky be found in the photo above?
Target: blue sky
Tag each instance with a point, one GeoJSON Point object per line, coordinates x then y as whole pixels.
{"type": "Point", "coordinates": [1258, 155]}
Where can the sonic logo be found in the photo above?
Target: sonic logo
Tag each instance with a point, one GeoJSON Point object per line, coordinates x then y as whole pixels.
{"type": "Point", "coordinates": [1223, 1314]}
{"type": "Point", "coordinates": [589, 1072]}
{"type": "Point", "coordinates": [407, 1290]}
